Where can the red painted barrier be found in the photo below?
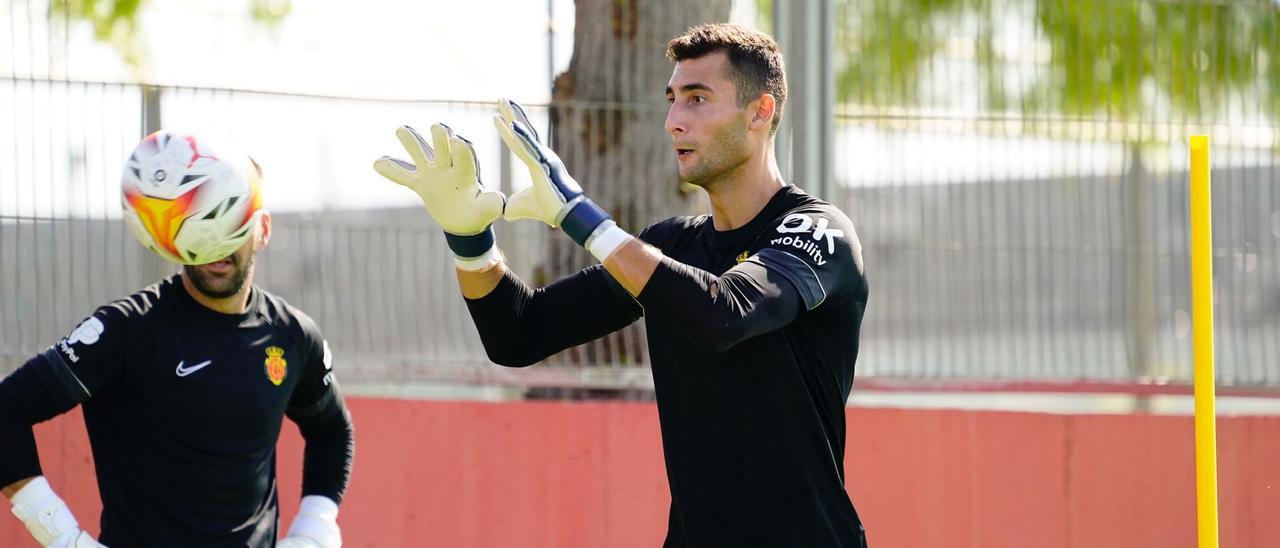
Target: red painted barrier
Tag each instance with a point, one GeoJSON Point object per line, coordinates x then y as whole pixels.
{"type": "Point", "coordinates": [461, 474]}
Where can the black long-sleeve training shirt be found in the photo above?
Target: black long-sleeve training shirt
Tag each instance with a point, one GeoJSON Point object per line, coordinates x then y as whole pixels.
{"type": "Point", "coordinates": [753, 334]}
{"type": "Point", "coordinates": [183, 406]}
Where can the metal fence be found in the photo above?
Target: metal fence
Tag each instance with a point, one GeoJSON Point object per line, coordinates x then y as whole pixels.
{"type": "Point", "coordinates": [1002, 240]}
{"type": "Point", "coordinates": [1017, 170]}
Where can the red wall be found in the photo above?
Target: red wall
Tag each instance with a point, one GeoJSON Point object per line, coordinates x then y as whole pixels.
{"type": "Point", "coordinates": [461, 474]}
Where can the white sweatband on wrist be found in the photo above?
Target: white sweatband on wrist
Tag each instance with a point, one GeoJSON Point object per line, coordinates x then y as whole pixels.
{"type": "Point", "coordinates": [479, 264]}
{"type": "Point", "coordinates": [317, 520]}
{"type": "Point", "coordinates": [45, 514]}
{"type": "Point", "coordinates": [606, 239]}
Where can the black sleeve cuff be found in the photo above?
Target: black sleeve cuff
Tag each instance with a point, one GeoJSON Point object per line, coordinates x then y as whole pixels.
{"type": "Point", "coordinates": [58, 373]}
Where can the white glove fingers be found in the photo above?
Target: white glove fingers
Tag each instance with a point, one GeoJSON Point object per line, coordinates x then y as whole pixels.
{"type": "Point", "coordinates": [516, 113]}
{"type": "Point", "coordinates": [504, 131]}
{"type": "Point", "coordinates": [397, 171]}
{"type": "Point", "coordinates": [530, 140]}
{"type": "Point", "coordinates": [507, 111]}
{"type": "Point", "coordinates": [440, 136]}
{"type": "Point", "coordinates": [517, 143]}
{"type": "Point", "coordinates": [464, 154]}
{"type": "Point", "coordinates": [416, 146]}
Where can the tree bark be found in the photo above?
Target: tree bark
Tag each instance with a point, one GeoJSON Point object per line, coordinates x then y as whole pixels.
{"type": "Point", "coordinates": [608, 110]}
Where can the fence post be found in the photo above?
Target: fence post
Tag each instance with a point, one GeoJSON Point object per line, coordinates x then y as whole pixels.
{"type": "Point", "coordinates": [782, 33]}
{"type": "Point", "coordinates": [805, 30]}
{"type": "Point", "coordinates": [153, 268]}
{"type": "Point", "coordinates": [1140, 313]}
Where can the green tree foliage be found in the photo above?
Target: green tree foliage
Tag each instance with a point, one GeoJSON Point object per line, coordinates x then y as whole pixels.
{"type": "Point", "coordinates": [1130, 59]}
{"type": "Point", "coordinates": [116, 21]}
{"type": "Point", "coordinates": [113, 21]}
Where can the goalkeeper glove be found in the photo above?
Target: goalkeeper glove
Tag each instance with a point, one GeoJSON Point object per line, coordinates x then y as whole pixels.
{"type": "Point", "coordinates": [447, 178]}
{"type": "Point", "coordinates": [47, 518]}
{"type": "Point", "coordinates": [554, 197]}
{"type": "Point", "coordinates": [315, 526]}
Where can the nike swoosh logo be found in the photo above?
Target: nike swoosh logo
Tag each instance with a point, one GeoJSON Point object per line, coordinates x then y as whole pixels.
{"type": "Point", "coordinates": [184, 371]}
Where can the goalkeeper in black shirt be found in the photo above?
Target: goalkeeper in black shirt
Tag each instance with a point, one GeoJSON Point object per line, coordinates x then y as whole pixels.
{"type": "Point", "coordinates": [752, 312]}
{"type": "Point", "coordinates": [185, 383]}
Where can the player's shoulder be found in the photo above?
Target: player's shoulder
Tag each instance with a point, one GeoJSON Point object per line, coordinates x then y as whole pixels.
{"type": "Point", "coordinates": [800, 203]}
{"type": "Point", "coordinates": [670, 232]}
{"type": "Point", "coordinates": [149, 304]}
{"type": "Point", "coordinates": [115, 324]}
{"type": "Point", "coordinates": [803, 213]}
{"type": "Point", "coordinates": [280, 313]}
{"type": "Point", "coordinates": [296, 324]}
{"type": "Point", "coordinates": [816, 228]}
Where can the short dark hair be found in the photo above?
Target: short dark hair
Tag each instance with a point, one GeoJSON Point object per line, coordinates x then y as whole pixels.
{"type": "Point", "coordinates": [755, 62]}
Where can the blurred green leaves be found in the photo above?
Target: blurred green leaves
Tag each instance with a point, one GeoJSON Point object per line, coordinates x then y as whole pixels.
{"type": "Point", "coordinates": [270, 12]}
{"type": "Point", "coordinates": [116, 22]}
{"type": "Point", "coordinates": [1126, 59]}
{"type": "Point", "coordinates": [113, 21]}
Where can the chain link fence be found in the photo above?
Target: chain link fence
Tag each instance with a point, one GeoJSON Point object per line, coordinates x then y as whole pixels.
{"type": "Point", "coordinates": [1005, 235]}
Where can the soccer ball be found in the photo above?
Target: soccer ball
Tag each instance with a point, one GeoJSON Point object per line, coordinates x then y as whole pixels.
{"type": "Point", "coordinates": [186, 202]}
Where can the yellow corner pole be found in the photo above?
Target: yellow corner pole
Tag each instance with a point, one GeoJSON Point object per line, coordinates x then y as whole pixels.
{"type": "Point", "coordinates": [1202, 337]}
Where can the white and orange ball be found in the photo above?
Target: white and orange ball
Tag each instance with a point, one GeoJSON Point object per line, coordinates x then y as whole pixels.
{"type": "Point", "coordinates": [186, 202]}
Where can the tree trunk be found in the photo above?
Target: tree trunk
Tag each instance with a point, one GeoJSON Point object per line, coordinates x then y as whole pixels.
{"type": "Point", "coordinates": [607, 114]}
{"type": "Point", "coordinates": [608, 111]}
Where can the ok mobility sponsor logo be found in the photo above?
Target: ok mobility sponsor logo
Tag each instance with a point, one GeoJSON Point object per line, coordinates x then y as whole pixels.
{"type": "Point", "coordinates": [799, 223]}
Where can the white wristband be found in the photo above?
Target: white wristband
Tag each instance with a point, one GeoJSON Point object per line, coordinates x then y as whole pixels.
{"type": "Point", "coordinates": [40, 509]}
{"type": "Point", "coordinates": [606, 239]}
{"type": "Point", "coordinates": [317, 520]}
{"type": "Point", "coordinates": [479, 264]}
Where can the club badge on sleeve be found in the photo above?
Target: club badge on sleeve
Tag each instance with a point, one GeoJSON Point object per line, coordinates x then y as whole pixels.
{"type": "Point", "coordinates": [275, 365]}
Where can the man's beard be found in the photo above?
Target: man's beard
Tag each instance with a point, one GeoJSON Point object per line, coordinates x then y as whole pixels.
{"type": "Point", "coordinates": [221, 287]}
{"type": "Point", "coordinates": [727, 152]}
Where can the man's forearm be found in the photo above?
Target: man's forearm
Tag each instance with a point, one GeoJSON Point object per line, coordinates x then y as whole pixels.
{"type": "Point", "coordinates": [478, 284]}
{"type": "Point", "coordinates": [633, 264]}
{"type": "Point", "coordinates": [330, 449]}
{"type": "Point", "coordinates": [717, 312]}
{"type": "Point", "coordinates": [24, 401]}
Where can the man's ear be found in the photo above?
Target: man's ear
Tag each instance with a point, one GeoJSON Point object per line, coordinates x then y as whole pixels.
{"type": "Point", "coordinates": [263, 233]}
{"type": "Point", "coordinates": [761, 111]}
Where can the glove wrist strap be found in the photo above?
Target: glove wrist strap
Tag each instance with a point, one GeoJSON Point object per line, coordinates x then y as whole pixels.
{"type": "Point", "coordinates": [44, 514]}
{"type": "Point", "coordinates": [319, 506]}
{"type": "Point", "coordinates": [317, 521]}
{"type": "Point", "coordinates": [472, 246]}
{"type": "Point", "coordinates": [606, 239]}
{"type": "Point", "coordinates": [490, 259]}
{"type": "Point", "coordinates": [582, 220]}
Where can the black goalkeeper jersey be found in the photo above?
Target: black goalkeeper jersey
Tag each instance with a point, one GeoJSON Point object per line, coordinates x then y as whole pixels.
{"type": "Point", "coordinates": [753, 335]}
{"type": "Point", "coordinates": [183, 407]}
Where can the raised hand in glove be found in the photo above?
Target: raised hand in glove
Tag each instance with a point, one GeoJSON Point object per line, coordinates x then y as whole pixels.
{"type": "Point", "coordinates": [554, 198]}
{"type": "Point", "coordinates": [447, 178]}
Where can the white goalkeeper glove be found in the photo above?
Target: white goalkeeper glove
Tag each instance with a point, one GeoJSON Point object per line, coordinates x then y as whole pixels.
{"type": "Point", "coordinates": [554, 198]}
{"type": "Point", "coordinates": [315, 526]}
{"type": "Point", "coordinates": [47, 518]}
{"type": "Point", "coordinates": [447, 178]}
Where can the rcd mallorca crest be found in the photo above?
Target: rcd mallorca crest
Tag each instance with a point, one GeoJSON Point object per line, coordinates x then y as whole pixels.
{"type": "Point", "coordinates": [275, 365]}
